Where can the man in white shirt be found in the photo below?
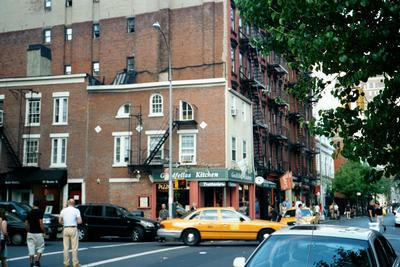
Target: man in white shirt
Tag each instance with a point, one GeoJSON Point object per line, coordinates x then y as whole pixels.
{"type": "Point", "coordinates": [298, 213]}
{"type": "Point", "coordinates": [70, 217]}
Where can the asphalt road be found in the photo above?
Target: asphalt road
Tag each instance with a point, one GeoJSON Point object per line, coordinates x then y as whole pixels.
{"type": "Point", "coordinates": [170, 254]}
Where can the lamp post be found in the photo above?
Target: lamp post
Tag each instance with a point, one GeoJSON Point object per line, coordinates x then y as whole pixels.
{"type": "Point", "coordinates": [157, 26]}
{"type": "Point", "coordinates": [358, 194]}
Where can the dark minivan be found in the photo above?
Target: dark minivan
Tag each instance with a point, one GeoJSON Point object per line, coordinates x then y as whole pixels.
{"type": "Point", "coordinates": [100, 220]}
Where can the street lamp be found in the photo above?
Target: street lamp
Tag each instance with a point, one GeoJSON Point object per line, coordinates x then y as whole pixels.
{"type": "Point", "coordinates": [358, 194]}
{"type": "Point", "coordinates": [157, 26]}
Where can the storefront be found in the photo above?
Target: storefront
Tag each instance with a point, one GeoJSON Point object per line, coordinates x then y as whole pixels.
{"type": "Point", "coordinates": [205, 187]}
{"type": "Point", "coordinates": [265, 195]}
{"type": "Point", "coordinates": [28, 184]}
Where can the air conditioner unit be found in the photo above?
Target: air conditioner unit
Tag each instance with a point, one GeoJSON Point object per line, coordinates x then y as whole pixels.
{"type": "Point", "coordinates": [234, 111]}
{"type": "Point", "coordinates": [96, 1]}
{"type": "Point", "coordinates": [187, 158]}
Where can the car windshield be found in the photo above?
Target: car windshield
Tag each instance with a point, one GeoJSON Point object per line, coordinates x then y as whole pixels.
{"type": "Point", "coordinates": [296, 250]}
{"type": "Point", "coordinates": [26, 207]}
{"type": "Point", "coordinates": [124, 211]}
{"type": "Point", "coordinates": [306, 212]}
{"type": "Point", "coordinates": [12, 218]}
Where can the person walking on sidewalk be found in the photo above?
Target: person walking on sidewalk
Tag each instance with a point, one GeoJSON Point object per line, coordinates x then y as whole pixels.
{"type": "Point", "coordinates": [299, 215]}
{"type": "Point", "coordinates": [379, 214]}
{"type": "Point", "coordinates": [3, 238]}
{"type": "Point", "coordinates": [35, 231]}
{"type": "Point", "coordinates": [70, 217]}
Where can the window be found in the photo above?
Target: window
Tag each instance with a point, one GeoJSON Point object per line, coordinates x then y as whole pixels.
{"type": "Point", "coordinates": [230, 216]}
{"type": "Point", "coordinates": [122, 150]}
{"type": "Point", "coordinates": [244, 111]}
{"type": "Point", "coordinates": [96, 30]}
{"type": "Point", "coordinates": [95, 211]}
{"type": "Point", "coordinates": [111, 212]}
{"type": "Point", "coordinates": [31, 151]}
{"type": "Point", "coordinates": [68, 34]}
{"type": "Point", "coordinates": [233, 59]}
{"type": "Point", "coordinates": [96, 68]}
{"type": "Point", "coordinates": [47, 36]}
{"type": "Point", "coordinates": [233, 18]}
{"type": "Point", "coordinates": [156, 105]}
{"type": "Point", "coordinates": [47, 4]}
{"type": "Point", "coordinates": [244, 149]}
{"type": "Point", "coordinates": [68, 3]}
{"type": "Point", "coordinates": [58, 150]}
{"type": "Point", "coordinates": [67, 69]}
{"type": "Point", "coordinates": [124, 111]}
{"type": "Point", "coordinates": [233, 148]}
{"type": "Point", "coordinates": [186, 111]}
{"type": "Point", "coordinates": [32, 112]}
{"type": "Point", "coordinates": [209, 215]}
{"type": "Point", "coordinates": [1, 110]}
{"type": "Point", "coordinates": [130, 64]}
{"type": "Point", "coordinates": [187, 145]}
{"type": "Point", "coordinates": [130, 24]}
{"type": "Point", "coordinates": [60, 108]}
{"type": "Point", "coordinates": [153, 140]}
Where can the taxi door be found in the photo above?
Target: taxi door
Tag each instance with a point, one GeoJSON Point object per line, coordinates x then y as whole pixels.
{"type": "Point", "coordinates": [207, 224]}
{"type": "Point", "coordinates": [232, 227]}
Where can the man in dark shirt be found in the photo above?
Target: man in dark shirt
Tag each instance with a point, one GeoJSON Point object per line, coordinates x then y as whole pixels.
{"type": "Point", "coordinates": [35, 228]}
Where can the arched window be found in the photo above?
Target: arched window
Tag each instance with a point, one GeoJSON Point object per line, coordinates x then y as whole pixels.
{"type": "Point", "coordinates": [156, 105]}
{"type": "Point", "coordinates": [186, 111]}
{"type": "Point", "coordinates": [124, 111]}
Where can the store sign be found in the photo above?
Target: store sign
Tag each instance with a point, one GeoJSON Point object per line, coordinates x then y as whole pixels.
{"type": "Point", "coordinates": [162, 187]}
{"type": "Point", "coordinates": [259, 180]}
{"type": "Point", "coordinates": [212, 184]}
{"type": "Point", "coordinates": [49, 182]}
{"type": "Point", "coordinates": [230, 184]}
{"type": "Point", "coordinates": [238, 175]}
{"type": "Point", "coordinates": [11, 182]}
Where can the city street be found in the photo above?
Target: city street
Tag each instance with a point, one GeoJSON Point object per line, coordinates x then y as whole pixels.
{"type": "Point", "coordinates": [122, 253]}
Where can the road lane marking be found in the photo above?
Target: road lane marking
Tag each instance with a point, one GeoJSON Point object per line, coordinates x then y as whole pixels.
{"type": "Point", "coordinates": [116, 245]}
{"type": "Point", "coordinates": [45, 254]}
{"type": "Point", "coordinates": [131, 256]}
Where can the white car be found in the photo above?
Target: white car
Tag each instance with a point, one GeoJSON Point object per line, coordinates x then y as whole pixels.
{"type": "Point", "coordinates": [397, 217]}
{"type": "Point", "coordinates": [322, 245]}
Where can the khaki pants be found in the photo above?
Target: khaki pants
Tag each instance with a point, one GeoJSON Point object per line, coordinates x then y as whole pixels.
{"type": "Point", "coordinates": [70, 234]}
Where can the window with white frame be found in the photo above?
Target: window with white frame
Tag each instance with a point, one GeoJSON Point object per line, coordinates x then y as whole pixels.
{"type": "Point", "coordinates": [47, 4]}
{"type": "Point", "coordinates": [124, 111]}
{"type": "Point", "coordinates": [130, 25]}
{"type": "Point", "coordinates": [244, 149]}
{"type": "Point", "coordinates": [68, 3]}
{"type": "Point", "coordinates": [233, 59]}
{"type": "Point", "coordinates": [68, 34]}
{"type": "Point", "coordinates": [233, 11]}
{"type": "Point", "coordinates": [60, 108]}
{"type": "Point", "coordinates": [156, 105]}
{"type": "Point", "coordinates": [67, 69]}
{"type": "Point", "coordinates": [96, 68]}
{"type": "Point", "coordinates": [186, 111]}
{"type": "Point", "coordinates": [233, 148]}
{"type": "Point", "coordinates": [31, 150]}
{"type": "Point", "coordinates": [187, 148]}
{"type": "Point", "coordinates": [59, 150]}
{"type": "Point", "coordinates": [244, 107]}
{"type": "Point", "coordinates": [122, 145]}
{"type": "Point", "coordinates": [96, 30]}
{"type": "Point", "coordinates": [152, 142]}
{"type": "Point", "coordinates": [32, 117]}
{"type": "Point", "coordinates": [47, 36]}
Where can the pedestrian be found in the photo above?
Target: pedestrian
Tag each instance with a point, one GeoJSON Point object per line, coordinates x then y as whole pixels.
{"type": "Point", "coordinates": [194, 206]}
{"type": "Point", "coordinates": [337, 212]}
{"type": "Point", "coordinates": [274, 214]}
{"type": "Point", "coordinates": [299, 215]}
{"type": "Point", "coordinates": [3, 238]}
{"type": "Point", "coordinates": [163, 213]}
{"type": "Point", "coordinates": [332, 210]}
{"type": "Point", "coordinates": [35, 231]}
{"type": "Point", "coordinates": [379, 215]}
{"type": "Point", "coordinates": [347, 211]}
{"type": "Point", "coordinates": [70, 217]}
{"type": "Point", "coordinates": [371, 211]}
{"type": "Point", "coordinates": [317, 210]}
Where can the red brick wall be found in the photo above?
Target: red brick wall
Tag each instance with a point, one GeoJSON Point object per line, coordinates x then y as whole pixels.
{"type": "Point", "coordinates": [196, 46]}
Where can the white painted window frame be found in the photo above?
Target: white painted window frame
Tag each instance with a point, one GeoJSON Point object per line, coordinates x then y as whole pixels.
{"type": "Point", "coordinates": [60, 96]}
{"type": "Point", "coordinates": [32, 97]}
{"type": "Point", "coordinates": [31, 137]}
{"type": "Point", "coordinates": [149, 136]}
{"type": "Point", "coordinates": [122, 136]}
{"type": "Point", "coordinates": [59, 137]}
{"type": "Point", "coordinates": [233, 147]}
{"type": "Point", "coordinates": [121, 114]}
{"type": "Point", "coordinates": [181, 111]}
{"type": "Point", "coordinates": [156, 114]}
{"type": "Point", "coordinates": [181, 134]}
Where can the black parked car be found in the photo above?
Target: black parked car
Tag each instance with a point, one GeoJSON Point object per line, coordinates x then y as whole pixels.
{"type": "Point", "coordinates": [16, 229]}
{"type": "Point", "coordinates": [110, 220]}
{"type": "Point", "coordinates": [21, 211]}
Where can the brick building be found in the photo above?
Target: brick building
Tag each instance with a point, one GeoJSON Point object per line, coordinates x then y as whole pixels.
{"type": "Point", "coordinates": [102, 65]}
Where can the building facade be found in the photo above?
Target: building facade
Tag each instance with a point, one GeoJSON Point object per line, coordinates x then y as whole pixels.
{"type": "Point", "coordinates": [101, 69]}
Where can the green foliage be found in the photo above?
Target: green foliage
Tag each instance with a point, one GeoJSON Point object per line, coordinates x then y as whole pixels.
{"type": "Point", "coordinates": [355, 177]}
{"type": "Point", "coordinates": [357, 39]}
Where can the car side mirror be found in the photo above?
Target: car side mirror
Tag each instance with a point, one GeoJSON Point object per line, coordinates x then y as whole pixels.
{"type": "Point", "coordinates": [242, 219]}
{"type": "Point", "coordinates": [239, 262]}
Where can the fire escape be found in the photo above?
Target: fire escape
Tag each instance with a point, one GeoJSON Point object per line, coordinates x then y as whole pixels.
{"type": "Point", "coordinates": [252, 80]}
{"type": "Point", "coordinates": [8, 143]}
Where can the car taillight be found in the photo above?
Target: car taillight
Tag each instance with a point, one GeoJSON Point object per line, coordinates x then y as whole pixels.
{"type": "Point", "coordinates": [162, 226]}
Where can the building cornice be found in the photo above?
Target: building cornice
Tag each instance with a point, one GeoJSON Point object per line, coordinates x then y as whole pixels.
{"type": "Point", "coordinates": [215, 82]}
{"type": "Point", "coordinates": [43, 80]}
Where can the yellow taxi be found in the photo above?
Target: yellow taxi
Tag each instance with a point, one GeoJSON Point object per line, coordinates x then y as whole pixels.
{"type": "Point", "coordinates": [216, 224]}
{"type": "Point", "coordinates": [289, 217]}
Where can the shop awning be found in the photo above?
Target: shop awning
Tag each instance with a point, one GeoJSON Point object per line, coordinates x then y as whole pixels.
{"type": "Point", "coordinates": [27, 176]}
{"type": "Point", "coordinates": [268, 184]}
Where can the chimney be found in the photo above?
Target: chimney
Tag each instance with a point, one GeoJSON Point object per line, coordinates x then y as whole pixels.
{"type": "Point", "coordinates": [38, 61]}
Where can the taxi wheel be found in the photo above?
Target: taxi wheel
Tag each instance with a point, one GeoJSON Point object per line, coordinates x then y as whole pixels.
{"type": "Point", "coordinates": [190, 237]}
{"type": "Point", "coordinates": [260, 236]}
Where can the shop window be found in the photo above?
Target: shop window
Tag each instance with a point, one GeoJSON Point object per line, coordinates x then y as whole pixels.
{"type": "Point", "coordinates": [186, 111]}
{"type": "Point", "coordinates": [130, 25]}
{"type": "Point", "coordinates": [156, 105]}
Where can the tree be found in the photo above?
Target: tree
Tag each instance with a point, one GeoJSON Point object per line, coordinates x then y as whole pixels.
{"type": "Point", "coordinates": [351, 178]}
{"type": "Point", "coordinates": [353, 40]}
